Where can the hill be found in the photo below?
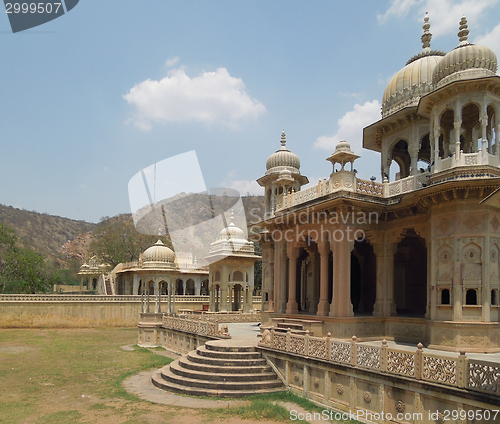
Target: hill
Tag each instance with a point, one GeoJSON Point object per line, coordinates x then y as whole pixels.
{"type": "Point", "coordinates": [61, 239]}
{"type": "Point", "coordinates": [41, 232]}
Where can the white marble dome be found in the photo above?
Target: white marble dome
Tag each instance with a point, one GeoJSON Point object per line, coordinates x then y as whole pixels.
{"type": "Point", "coordinates": [282, 159]}
{"type": "Point", "coordinates": [467, 61]}
{"type": "Point", "coordinates": [158, 253]}
{"type": "Point", "coordinates": [414, 80]}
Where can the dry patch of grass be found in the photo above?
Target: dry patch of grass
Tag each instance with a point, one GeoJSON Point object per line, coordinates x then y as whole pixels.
{"type": "Point", "coordinates": [73, 376]}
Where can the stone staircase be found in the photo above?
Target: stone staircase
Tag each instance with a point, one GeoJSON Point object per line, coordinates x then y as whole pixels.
{"type": "Point", "coordinates": [220, 370]}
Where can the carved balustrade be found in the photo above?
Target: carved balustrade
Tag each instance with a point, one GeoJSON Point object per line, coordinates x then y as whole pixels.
{"type": "Point", "coordinates": [196, 326]}
{"type": "Point", "coordinates": [446, 369]}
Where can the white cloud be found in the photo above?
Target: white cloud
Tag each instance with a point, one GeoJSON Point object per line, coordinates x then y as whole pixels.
{"type": "Point", "coordinates": [491, 40]}
{"type": "Point", "coordinates": [351, 127]}
{"type": "Point", "coordinates": [242, 186]}
{"type": "Point", "coordinates": [171, 61]}
{"type": "Point", "coordinates": [398, 8]}
{"type": "Point", "coordinates": [210, 98]}
{"type": "Point", "coordinates": [245, 187]}
{"type": "Point", "coordinates": [444, 14]}
{"type": "Point", "coordinates": [351, 94]}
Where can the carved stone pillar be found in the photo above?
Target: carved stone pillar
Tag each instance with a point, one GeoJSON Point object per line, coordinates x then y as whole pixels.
{"type": "Point", "coordinates": [324, 251]}
{"type": "Point", "coordinates": [279, 277]}
{"type": "Point", "coordinates": [384, 303]}
{"type": "Point", "coordinates": [457, 282]}
{"type": "Point", "coordinates": [341, 300]}
{"type": "Point", "coordinates": [486, 284]}
{"type": "Point", "coordinates": [414, 159]}
{"type": "Point", "coordinates": [293, 254]}
{"type": "Point", "coordinates": [457, 125]}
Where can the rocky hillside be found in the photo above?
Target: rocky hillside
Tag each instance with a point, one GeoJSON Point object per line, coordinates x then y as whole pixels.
{"type": "Point", "coordinates": [62, 238]}
{"type": "Point", "coordinates": [41, 232]}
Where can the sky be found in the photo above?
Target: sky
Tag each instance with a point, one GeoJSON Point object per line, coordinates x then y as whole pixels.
{"type": "Point", "coordinates": [112, 87]}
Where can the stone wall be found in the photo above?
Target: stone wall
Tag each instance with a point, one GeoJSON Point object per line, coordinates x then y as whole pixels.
{"type": "Point", "coordinates": [24, 311]}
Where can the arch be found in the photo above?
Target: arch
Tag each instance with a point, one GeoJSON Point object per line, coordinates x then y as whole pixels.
{"type": "Point", "coordinates": [410, 275]}
{"type": "Point", "coordinates": [150, 287]}
{"type": "Point", "coordinates": [190, 290]}
{"type": "Point", "coordinates": [179, 287]}
{"type": "Point", "coordinates": [216, 276]}
{"type": "Point", "coordinates": [204, 287]}
{"type": "Point", "coordinates": [237, 292]}
{"type": "Point", "coordinates": [163, 287]}
{"type": "Point", "coordinates": [494, 297]}
{"type": "Point", "coordinates": [471, 297]}
{"type": "Point", "coordinates": [445, 297]}
{"type": "Point", "coordinates": [424, 153]}
{"type": "Point", "coordinates": [400, 154]}
{"type": "Point", "coordinates": [94, 283]}
{"type": "Point", "coordinates": [237, 276]}
{"type": "Point", "coordinates": [363, 278]}
{"type": "Point", "coordinates": [446, 124]}
{"type": "Point", "coordinates": [471, 130]}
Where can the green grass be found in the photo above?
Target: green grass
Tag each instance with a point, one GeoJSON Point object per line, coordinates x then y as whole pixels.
{"type": "Point", "coordinates": [266, 407]}
{"type": "Point", "coordinates": [75, 376]}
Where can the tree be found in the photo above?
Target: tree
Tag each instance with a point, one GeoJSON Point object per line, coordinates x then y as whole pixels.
{"type": "Point", "coordinates": [116, 241]}
{"type": "Point", "coordinates": [21, 270]}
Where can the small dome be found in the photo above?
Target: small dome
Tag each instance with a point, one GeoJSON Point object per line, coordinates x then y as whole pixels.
{"type": "Point", "coordinates": [414, 80]}
{"type": "Point", "coordinates": [84, 266]}
{"type": "Point", "coordinates": [285, 175]}
{"type": "Point", "coordinates": [343, 146]}
{"type": "Point", "coordinates": [158, 252]}
{"type": "Point", "coordinates": [231, 241]}
{"type": "Point", "coordinates": [467, 61]}
{"type": "Point", "coordinates": [283, 159]}
{"type": "Point", "coordinates": [232, 232]}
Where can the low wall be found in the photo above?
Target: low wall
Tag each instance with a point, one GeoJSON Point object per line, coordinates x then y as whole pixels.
{"type": "Point", "coordinates": [24, 311]}
{"type": "Point", "coordinates": [63, 310]}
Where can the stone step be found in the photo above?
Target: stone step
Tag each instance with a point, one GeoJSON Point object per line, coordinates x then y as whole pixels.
{"type": "Point", "coordinates": [171, 377]}
{"type": "Point", "coordinates": [203, 351]}
{"type": "Point", "coordinates": [216, 369]}
{"type": "Point", "coordinates": [216, 345]}
{"type": "Point", "coordinates": [291, 325]}
{"type": "Point", "coordinates": [196, 391]}
{"type": "Point", "coordinates": [299, 332]}
{"type": "Point", "coordinates": [180, 370]}
{"type": "Point", "coordinates": [193, 356]}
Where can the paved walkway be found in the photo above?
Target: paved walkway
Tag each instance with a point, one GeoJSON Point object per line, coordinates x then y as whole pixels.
{"type": "Point", "coordinates": [242, 334]}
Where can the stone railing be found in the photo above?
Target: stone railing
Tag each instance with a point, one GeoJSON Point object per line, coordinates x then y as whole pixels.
{"type": "Point", "coordinates": [405, 185]}
{"type": "Point", "coordinates": [227, 317]}
{"type": "Point", "coordinates": [195, 326]}
{"type": "Point", "coordinates": [450, 370]}
{"type": "Point", "coordinates": [93, 298]}
{"type": "Point", "coordinates": [371, 188]}
{"type": "Point", "coordinates": [482, 157]}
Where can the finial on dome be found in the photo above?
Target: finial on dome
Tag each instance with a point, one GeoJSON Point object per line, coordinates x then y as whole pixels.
{"type": "Point", "coordinates": [426, 36]}
{"type": "Point", "coordinates": [283, 138]}
{"type": "Point", "coordinates": [231, 222]}
{"type": "Point", "coordinates": [463, 31]}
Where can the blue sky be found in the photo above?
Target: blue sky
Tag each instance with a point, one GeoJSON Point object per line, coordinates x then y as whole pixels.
{"type": "Point", "coordinates": [91, 98]}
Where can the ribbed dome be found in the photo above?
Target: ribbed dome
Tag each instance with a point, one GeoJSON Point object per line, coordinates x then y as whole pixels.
{"type": "Point", "coordinates": [158, 252]}
{"type": "Point", "coordinates": [410, 83]}
{"type": "Point", "coordinates": [232, 232]}
{"type": "Point", "coordinates": [414, 80]}
{"type": "Point", "coordinates": [283, 159]}
{"type": "Point", "coordinates": [466, 61]}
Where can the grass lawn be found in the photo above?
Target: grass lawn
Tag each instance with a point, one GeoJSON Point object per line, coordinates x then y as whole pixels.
{"type": "Point", "coordinates": [58, 376]}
